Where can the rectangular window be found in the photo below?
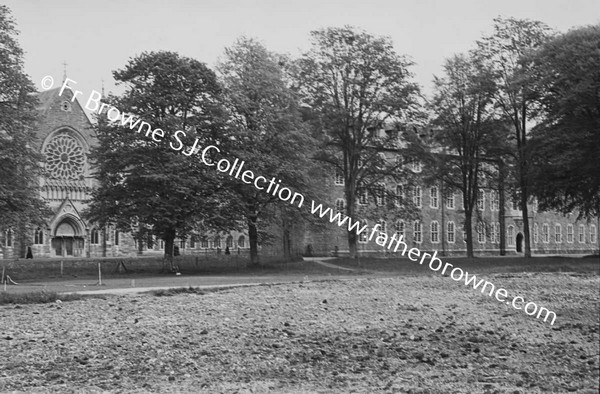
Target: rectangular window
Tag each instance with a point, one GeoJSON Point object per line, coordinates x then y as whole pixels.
{"type": "Point", "coordinates": [570, 233]}
{"type": "Point", "coordinates": [593, 233]}
{"type": "Point", "coordinates": [557, 234]}
{"type": "Point", "coordinates": [450, 232]}
{"type": "Point", "coordinates": [339, 178]}
{"type": "Point", "coordinates": [382, 226]}
{"type": "Point", "coordinates": [450, 200]}
{"type": "Point", "coordinates": [510, 234]}
{"type": "Point", "coordinates": [581, 233]}
{"type": "Point", "coordinates": [417, 196]}
{"type": "Point", "coordinates": [435, 232]}
{"type": "Point", "coordinates": [433, 197]}
{"type": "Point", "coordinates": [417, 232]}
{"type": "Point", "coordinates": [363, 196]}
{"type": "Point", "coordinates": [546, 233]}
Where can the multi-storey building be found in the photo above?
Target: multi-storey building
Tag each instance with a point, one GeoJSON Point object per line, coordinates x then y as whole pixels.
{"type": "Point", "coordinates": [66, 135]}
{"type": "Point", "coordinates": [497, 220]}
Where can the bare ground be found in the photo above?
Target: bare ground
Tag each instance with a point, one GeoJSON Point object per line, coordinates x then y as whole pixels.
{"type": "Point", "coordinates": [416, 334]}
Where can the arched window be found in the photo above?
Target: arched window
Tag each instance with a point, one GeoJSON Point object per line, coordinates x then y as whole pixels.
{"type": "Point", "coordinates": [433, 197]}
{"type": "Point", "coordinates": [117, 235]}
{"type": "Point", "coordinates": [241, 242]}
{"type": "Point", "coordinates": [593, 234]}
{"type": "Point", "coordinates": [363, 236]}
{"type": "Point", "coordinates": [417, 196]}
{"type": "Point", "coordinates": [204, 242]}
{"type": "Point", "coordinates": [94, 237]}
{"type": "Point", "coordinates": [217, 242]}
{"type": "Point", "coordinates": [557, 233]}
{"type": "Point", "coordinates": [399, 228]}
{"type": "Point", "coordinates": [417, 231]}
{"type": "Point", "coordinates": [480, 232]}
{"type": "Point", "coordinates": [581, 233]}
{"type": "Point", "coordinates": [38, 237]}
{"type": "Point", "coordinates": [570, 233]}
{"type": "Point", "coordinates": [510, 234]}
{"type": "Point", "coordinates": [450, 232]}
{"type": "Point", "coordinates": [435, 232]}
{"type": "Point", "coordinates": [545, 233]}
{"type": "Point", "coordinates": [229, 242]}
{"type": "Point", "coordinates": [536, 231]}
{"type": "Point", "coordinates": [382, 225]}
{"type": "Point", "coordinates": [480, 199]}
{"type": "Point", "coordinates": [340, 205]}
{"type": "Point", "coordinates": [192, 242]}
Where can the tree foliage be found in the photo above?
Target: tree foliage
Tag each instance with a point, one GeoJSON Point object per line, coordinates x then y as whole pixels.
{"type": "Point", "coordinates": [20, 201]}
{"type": "Point", "coordinates": [147, 185]}
{"type": "Point", "coordinates": [503, 53]}
{"type": "Point", "coordinates": [566, 144]}
{"type": "Point", "coordinates": [355, 85]}
{"type": "Point", "coordinates": [467, 127]}
{"type": "Point", "coordinates": [268, 135]}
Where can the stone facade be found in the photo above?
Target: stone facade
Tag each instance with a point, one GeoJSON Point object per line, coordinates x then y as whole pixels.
{"type": "Point", "coordinates": [65, 136]}
{"type": "Point", "coordinates": [440, 225]}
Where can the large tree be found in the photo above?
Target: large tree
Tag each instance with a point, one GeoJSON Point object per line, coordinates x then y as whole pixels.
{"type": "Point", "coordinates": [151, 183]}
{"type": "Point", "coordinates": [503, 52]}
{"type": "Point", "coordinates": [356, 85]}
{"type": "Point", "coordinates": [566, 144]}
{"type": "Point", "coordinates": [267, 134]}
{"type": "Point", "coordinates": [20, 201]}
{"type": "Point", "coordinates": [466, 126]}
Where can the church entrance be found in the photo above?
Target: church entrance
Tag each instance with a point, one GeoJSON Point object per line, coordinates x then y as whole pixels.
{"type": "Point", "coordinates": [520, 243]}
{"type": "Point", "coordinates": [67, 242]}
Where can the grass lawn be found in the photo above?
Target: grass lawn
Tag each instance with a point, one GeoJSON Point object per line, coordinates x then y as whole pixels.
{"type": "Point", "coordinates": [421, 333]}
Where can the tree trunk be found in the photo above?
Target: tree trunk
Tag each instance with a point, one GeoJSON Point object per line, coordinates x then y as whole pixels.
{"type": "Point", "coordinates": [501, 209]}
{"type": "Point", "coordinates": [469, 231]}
{"type": "Point", "coordinates": [352, 238]}
{"type": "Point", "coordinates": [525, 215]}
{"type": "Point", "coordinates": [169, 248]}
{"type": "Point", "coordinates": [253, 238]}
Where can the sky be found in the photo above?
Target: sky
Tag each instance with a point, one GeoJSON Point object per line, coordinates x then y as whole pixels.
{"type": "Point", "coordinates": [96, 37]}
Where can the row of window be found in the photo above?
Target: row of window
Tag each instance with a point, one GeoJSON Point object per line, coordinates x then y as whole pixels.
{"type": "Point", "coordinates": [558, 233]}
{"type": "Point", "coordinates": [416, 193]}
{"type": "Point", "coordinates": [480, 232]}
{"type": "Point", "coordinates": [38, 239]}
{"type": "Point", "coordinates": [203, 242]}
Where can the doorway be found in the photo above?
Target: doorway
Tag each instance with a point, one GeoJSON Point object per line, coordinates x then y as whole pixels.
{"type": "Point", "coordinates": [520, 243]}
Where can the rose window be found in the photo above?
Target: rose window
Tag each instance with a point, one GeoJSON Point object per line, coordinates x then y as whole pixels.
{"type": "Point", "coordinates": [64, 157]}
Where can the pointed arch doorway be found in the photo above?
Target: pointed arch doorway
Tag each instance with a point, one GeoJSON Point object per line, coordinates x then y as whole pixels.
{"type": "Point", "coordinates": [519, 243]}
{"type": "Point", "coordinates": [68, 239]}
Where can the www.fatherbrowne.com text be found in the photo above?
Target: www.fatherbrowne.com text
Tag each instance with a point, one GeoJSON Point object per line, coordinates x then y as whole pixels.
{"type": "Point", "coordinates": [274, 187]}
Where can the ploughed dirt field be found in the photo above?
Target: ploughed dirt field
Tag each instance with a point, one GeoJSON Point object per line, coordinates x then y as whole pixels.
{"type": "Point", "coordinates": [404, 334]}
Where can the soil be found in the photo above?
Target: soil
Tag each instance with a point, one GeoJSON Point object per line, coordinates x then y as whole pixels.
{"type": "Point", "coordinates": [412, 334]}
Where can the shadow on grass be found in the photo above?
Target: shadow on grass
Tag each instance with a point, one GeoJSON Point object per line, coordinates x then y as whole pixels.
{"type": "Point", "coordinates": [478, 264]}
